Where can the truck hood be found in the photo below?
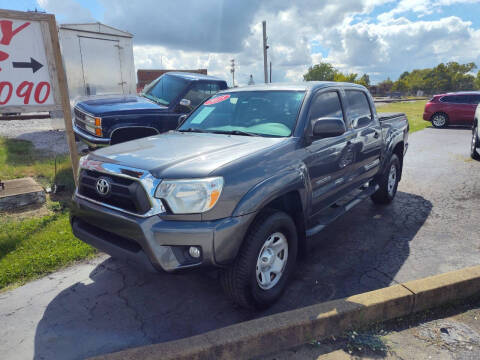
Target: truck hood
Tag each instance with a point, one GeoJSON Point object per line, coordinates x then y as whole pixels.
{"type": "Point", "coordinates": [183, 155]}
{"type": "Point", "coordinates": [119, 105]}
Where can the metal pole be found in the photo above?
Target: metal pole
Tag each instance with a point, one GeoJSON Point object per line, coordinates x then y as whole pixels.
{"type": "Point", "coordinates": [232, 70]}
{"type": "Point", "coordinates": [270, 71]}
{"type": "Point", "coordinates": [265, 47]}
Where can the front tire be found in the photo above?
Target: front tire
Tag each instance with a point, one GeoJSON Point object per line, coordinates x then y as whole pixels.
{"type": "Point", "coordinates": [439, 120]}
{"type": "Point", "coordinates": [264, 263]}
{"type": "Point", "coordinates": [388, 182]}
{"type": "Point", "coordinates": [475, 143]}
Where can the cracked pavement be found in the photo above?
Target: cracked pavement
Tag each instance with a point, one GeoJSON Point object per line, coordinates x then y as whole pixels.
{"type": "Point", "coordinates": [103, 305]}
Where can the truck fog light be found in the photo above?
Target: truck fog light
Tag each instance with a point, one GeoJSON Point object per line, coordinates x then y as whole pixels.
{"type": "Point", "coordinates": [194, 252]}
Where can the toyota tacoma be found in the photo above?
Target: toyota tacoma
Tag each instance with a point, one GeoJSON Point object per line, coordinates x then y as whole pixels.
{"type": "Point", "coordinates": [243, 184]}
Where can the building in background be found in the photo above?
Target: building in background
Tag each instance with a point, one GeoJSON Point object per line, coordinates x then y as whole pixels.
{"type": "Point", "coordinates": [98, 60]}
{"type": "Point", "coordinates": [145, 77]}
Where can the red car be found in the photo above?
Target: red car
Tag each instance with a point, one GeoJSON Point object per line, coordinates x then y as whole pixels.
{"type": "Point", "coordinates": [452, 109]}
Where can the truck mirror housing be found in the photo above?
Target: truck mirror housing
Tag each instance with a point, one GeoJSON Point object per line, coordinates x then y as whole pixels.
{"type": "Point", "coordinates": [328, 127]}
{"type": "Point", "coordinates": [185, 102]}
{"type": "Point", "coordinates": [182, 119]}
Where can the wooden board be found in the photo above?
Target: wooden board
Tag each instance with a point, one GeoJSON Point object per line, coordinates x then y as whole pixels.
{"type": "Point", "coordinates": [32, 75]}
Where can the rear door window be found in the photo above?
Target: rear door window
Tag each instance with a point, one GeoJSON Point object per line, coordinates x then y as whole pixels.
{"type": "Point", "coordinates": [474, 99]}
{"type": "Point", "coordinates": [359, 111]}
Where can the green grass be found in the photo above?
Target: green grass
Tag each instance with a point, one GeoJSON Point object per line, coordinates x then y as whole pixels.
{"type": "Point", "coordinates": [34, 247]}
{"type": "Point", "coordinates": [18, 158]}
{"type": "Point", "coordinates": [42, 243]}
{"type": "Point", "coordinates": [413, 110]}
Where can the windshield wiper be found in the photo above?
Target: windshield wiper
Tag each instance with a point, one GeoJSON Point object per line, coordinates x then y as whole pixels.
{"type": "Point", "coordinates": [155, 99]}
{"type": "Point", "coordinates": [235, 132]}
{"type": "Point", "coordinates": [193, 130]}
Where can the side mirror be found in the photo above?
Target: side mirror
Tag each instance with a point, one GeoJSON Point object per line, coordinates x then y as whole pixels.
{"type": "Point", "coordinates": [181, 119]}
{"type": "Point", "coordinates": [363, 121]}
{"type": "Point", "coordinates": [328, 127]}
{"type": "Point", "coordinates": [185, 102]}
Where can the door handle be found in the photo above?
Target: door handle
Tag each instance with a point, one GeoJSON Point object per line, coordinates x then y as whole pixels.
{"type": "Point", "coordinates": [376, 135]}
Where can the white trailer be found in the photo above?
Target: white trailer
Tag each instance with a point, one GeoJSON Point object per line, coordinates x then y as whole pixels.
{"type": "Point", "coordinates": [98, 60]}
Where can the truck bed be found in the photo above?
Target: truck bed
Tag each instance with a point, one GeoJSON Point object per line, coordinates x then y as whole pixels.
{"type": "Point", "coordinates": [390, 115]}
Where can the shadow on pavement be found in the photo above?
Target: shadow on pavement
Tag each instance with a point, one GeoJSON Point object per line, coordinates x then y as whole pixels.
{"type": "Point", "coordinates": [123, 306]}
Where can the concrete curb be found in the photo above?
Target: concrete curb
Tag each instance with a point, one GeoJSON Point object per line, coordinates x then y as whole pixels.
{"type": "Point", "coordinates": [293, 328]}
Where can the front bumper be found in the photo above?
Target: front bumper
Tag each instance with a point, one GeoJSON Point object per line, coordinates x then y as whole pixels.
{"type": "Point", "coordinates": [157, 242]}
{"type": "Point", "coordinates": [90, 140]}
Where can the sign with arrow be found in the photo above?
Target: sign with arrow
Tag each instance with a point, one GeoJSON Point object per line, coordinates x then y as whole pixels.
{"type": "Point", "coordinates": [33, 64]}
{"type": "Point", "coordinates": [27, 82]}
{"type": "Point", "coordinates": [32, 76]}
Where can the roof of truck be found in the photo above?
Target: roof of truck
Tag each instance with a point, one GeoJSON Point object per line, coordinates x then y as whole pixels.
{"type": "Point", "coordinates": [193, 76]}
{"type": "Point", "coordinates": [296, 86]}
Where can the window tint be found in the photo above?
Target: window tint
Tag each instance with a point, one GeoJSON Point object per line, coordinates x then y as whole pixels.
{"type": "Point", "coordinates": [456, 99]}
{"type": "Point", "coordinates": [200, 91]}
{"type": "Point", "coordinates": [358, 108]}
{"type": "Point", "coordinates": [474, 99]}
{"type": "Point", "coordinates": [326, 105]}
{"type": "Point", "coordinates": [165, 89]}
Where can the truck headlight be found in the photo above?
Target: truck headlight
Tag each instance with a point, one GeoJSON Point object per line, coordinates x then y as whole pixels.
{"type": "Point", "coordinates": [190, 195]}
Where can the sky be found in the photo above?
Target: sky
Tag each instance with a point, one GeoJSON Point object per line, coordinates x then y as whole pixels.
{"type": "Point", "coordinates": [382, 38]}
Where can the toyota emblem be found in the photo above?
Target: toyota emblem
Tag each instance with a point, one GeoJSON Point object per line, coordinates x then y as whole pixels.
{"type": "Point", "coordinates": [103, 186]}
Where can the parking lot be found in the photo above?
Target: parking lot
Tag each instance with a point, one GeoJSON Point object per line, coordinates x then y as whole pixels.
{"type": "Point", "coordinates": [104, 305]}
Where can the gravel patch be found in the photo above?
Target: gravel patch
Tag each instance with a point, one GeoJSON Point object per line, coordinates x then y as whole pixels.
{"type": "Point", "coordinates": [45, 134]}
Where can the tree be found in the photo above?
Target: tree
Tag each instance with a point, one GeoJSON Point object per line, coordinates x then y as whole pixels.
{"type": "Point", "coordinates": [364, 80]}
{"type": "Point", "coordinates": [385, 86]}
{"type": "Point", "coordinates": [320, 72]}
{"type": "Point", "coordinates": [400, 85]}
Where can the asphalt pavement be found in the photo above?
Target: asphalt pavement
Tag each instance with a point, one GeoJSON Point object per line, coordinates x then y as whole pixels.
{"type": "Point", "coordinates": [104, 305]}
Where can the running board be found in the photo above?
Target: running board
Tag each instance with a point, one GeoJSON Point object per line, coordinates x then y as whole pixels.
{"type": "Point", "coordinates": [340, 208]}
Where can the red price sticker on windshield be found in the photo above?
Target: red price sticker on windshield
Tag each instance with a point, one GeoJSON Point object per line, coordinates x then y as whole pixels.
{"type": "Point", "coordinates": [217, 99]}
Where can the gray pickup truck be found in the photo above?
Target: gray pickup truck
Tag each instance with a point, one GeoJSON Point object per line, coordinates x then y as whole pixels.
{"type": "Point", "coordinates": [243, 184]}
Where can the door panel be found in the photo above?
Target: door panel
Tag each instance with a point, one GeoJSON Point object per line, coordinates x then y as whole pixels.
{"type": "Point", "coordinates": [331, 159]}
{"type": "Point", "coordinates": [367, 139]}
{"type": "Point", "coordinates": [101, 66]}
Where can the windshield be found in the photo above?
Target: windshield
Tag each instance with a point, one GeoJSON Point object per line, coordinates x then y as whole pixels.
{"type": "Point", "coordinates": [262, 113]}
{"type": "Point", "coordinates": [165, 89]}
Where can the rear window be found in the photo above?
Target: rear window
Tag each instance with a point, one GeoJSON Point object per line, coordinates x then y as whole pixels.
{"type": "Point", "coordinates": [358, 108]}
{"type": "Point", "coordinates": [474, 99]}
{"type": "Point", "coordinates": [456, 99]}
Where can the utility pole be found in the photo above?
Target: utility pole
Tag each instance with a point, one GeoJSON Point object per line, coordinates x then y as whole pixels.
{"type": "Point", "coordinates": [232, 70]}
{"type": "Point", "coordinates": [270, 71]}
{"type": "Point", "coordinates": [265, 47]}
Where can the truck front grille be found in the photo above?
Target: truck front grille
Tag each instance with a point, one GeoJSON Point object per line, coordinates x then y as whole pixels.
{"type": "Point", "coordinates": [126, 194]}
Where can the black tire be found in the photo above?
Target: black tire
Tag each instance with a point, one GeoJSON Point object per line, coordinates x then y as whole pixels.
{"type": "Point", "coordinates": [439, 120]}
{"type": "Point", "coordinates": [475, 144]}
{"type": "Point", "coordinates": [239, 281]}
{"type": "Point", "coordinates": [385, 194]}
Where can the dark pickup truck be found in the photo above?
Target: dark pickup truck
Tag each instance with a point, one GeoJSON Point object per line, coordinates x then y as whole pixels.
{"type": "Point", "coordinates": [243, 184]}
{"type": "Point", "coordinates": [109, 120]}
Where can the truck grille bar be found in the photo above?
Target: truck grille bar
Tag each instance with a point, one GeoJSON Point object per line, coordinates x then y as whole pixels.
{"type": "Point", "coordinates": [126, 194]}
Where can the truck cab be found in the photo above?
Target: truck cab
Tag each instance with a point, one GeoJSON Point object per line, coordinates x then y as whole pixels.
{"type": "Point", "coordinates": [107, 120]}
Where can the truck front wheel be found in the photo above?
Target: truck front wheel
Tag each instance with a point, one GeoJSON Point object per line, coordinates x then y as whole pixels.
{"type": "Point", "coordinates": [388, 182]}
{"type": "Point", "coordinates": [264, 263]}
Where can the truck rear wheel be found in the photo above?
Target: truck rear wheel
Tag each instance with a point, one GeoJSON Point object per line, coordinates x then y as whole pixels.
{"type": "Point", "coordinates": [388, 182]}
{"type": "Point", "coordinates": [264, 263]}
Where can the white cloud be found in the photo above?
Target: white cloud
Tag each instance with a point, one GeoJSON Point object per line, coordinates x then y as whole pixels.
{"type": "Point", "coordinates": [70, 10]}
{"type": "Point", "coordinates": [421, 7]}
{"type": "Point", "coordinates": [187, 34]}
